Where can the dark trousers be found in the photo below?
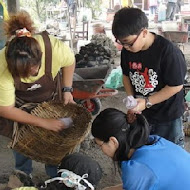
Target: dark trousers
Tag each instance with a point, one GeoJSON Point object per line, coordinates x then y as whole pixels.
{"type": "Point", "coordinates": [24, 164]}
{"type": "Point", "coordinates": [170, 11]}
{"type": "Point", "coordinates": [172, 131]}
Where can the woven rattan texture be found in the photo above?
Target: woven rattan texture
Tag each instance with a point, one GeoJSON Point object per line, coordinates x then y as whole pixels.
{"type": "Point", "coordinates": [186, 128]}
{"type": "Point", "coordinates": [47, 146]}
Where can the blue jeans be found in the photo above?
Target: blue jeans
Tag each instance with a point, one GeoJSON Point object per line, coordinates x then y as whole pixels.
{"type": "Point", "coordinates": [153, 10]}
{"type": "Point", "coordinates": [24, 164]}
{"type": "Point", "coordinates": [172, 131]}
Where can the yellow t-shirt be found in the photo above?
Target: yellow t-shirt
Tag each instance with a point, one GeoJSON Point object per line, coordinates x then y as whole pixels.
{"type": "Point", "coordinates": [62, 56]}
{"type": "Point", "coordinates": [26, 188]}
{"type": "Point", "coordinates": [5, 12]}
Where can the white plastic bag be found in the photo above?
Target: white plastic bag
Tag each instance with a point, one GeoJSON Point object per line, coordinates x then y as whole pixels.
{"type": "Point", "coordinates": [130, 102]}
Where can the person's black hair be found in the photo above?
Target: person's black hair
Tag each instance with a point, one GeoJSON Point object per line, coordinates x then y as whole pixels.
{"type": "Point", "coordinates": [128, 21]}
{"type": "Point", "coordinates": [22, 53]}
{"type": "Point", "coordinates": [82, 164]}
{"type": "Point", "coordinates": [113, 123]}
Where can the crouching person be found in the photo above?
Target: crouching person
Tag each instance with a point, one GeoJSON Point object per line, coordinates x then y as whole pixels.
{"type": "Point", "coordinates": [147, 162]}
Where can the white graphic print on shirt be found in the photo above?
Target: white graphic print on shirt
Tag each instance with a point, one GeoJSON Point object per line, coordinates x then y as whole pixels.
{"type": "Point", "coordinates": [144, 82]}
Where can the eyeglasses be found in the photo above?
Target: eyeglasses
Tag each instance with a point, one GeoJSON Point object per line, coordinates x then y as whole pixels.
{"type": "Point", "coordinates": [129, 45]}
{"type": "Point", "coordinates": [100, 145]}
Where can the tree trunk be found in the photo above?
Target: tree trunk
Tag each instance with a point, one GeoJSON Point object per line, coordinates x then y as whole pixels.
{"type": "Point", "coordinates": [38, 10]}
{"type": "Point", "coordinates": [13, 6]}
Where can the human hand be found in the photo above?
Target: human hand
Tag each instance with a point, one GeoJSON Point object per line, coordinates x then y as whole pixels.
{"type": "Point", "coordinates": [140, 106]}
{"type": "Point", "coordinates": [53, 125]}
{"type": "Point", "coordinates": [68, 98]}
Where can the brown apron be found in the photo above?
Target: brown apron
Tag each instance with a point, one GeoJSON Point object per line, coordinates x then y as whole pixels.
{"type": "Point", "coordinates": [43, 89]}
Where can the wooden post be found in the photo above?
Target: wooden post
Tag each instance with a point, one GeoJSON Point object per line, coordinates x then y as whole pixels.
{"type": "Point", "coordinates": [70, 31]}
{"type": "Point", "coordinates": [13, 6]}
{"type": "Point", "coordinates": [113, 4]}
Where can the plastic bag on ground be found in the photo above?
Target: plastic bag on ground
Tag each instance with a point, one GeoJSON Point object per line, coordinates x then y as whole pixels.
{"type": "Point", "coordinates": [115, 79]}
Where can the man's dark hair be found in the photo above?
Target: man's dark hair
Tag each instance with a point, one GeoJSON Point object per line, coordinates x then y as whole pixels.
{"type": "Point", "coordinates": [128, 21]}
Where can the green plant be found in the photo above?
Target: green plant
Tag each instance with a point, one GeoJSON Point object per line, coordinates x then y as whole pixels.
{"type": "Point", "coordinates": [94, 5]}
{"type": "Point", "coordinates": [37, 8]}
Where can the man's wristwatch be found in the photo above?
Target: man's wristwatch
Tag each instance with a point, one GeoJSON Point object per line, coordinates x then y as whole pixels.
{"type": "Point", "coordinates": [148, 104]}
{"type": "Point", "coordinates": [67, 89]}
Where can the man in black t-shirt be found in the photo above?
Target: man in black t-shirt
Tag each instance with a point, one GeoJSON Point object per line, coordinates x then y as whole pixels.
{"type": "Point", "coordinates": [153, 72]}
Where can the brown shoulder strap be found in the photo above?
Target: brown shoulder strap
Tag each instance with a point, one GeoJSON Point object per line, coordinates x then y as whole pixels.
{"type": "Point", "coordinates": [48, 52]}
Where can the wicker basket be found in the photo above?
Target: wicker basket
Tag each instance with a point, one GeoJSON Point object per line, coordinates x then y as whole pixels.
{"type": "Point", "coordinates": [186, 129]}
{"type": "Point", "coordinates": [47, 146]}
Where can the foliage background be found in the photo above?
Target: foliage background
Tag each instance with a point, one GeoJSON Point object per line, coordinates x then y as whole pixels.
{"type": "Point", "coordinates": [37, 8]}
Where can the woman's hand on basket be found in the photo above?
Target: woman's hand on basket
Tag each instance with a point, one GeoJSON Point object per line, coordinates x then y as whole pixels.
{"type": "Point", "coordinates": [68, 98]}
{"type": "Point", "coordinates": [53, 125]}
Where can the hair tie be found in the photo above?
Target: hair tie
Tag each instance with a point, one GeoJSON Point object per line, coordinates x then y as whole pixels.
{"type": "Point", "coordinates": [22, 53]}
{"type": "Point", "coordinates": [23, 32]}
{"type": "Point", "coordinates": [131, 117]}
{"type": "Point", "coordinates": [125, 129]}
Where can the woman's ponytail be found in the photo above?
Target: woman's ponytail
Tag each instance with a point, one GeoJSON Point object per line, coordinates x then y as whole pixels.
{"type": "Point", "coordinates": [18, 21]}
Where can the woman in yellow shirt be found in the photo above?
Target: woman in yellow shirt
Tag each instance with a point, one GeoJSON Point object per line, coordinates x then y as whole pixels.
{"type": "Point", "coordinates": [29, 67]}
